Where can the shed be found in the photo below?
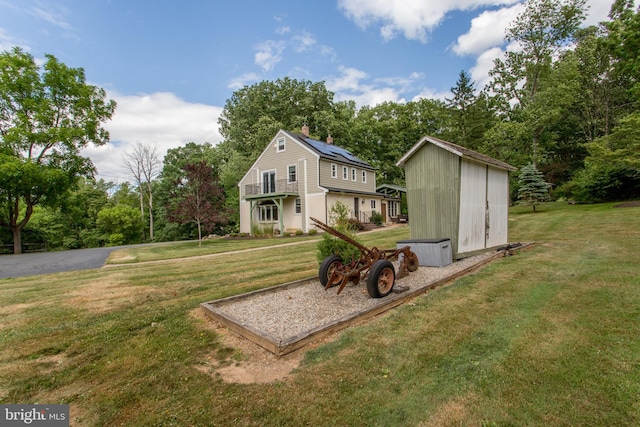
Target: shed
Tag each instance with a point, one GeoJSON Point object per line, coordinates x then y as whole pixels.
{"type": "Point", "coordinates": [456, 193]}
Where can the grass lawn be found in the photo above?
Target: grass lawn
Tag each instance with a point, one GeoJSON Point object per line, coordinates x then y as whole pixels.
{"type": "Point", "coordinates": [546, 337]}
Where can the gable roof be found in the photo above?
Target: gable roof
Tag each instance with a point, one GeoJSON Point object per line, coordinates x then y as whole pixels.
{"type": "Point", "coordinates": [455, 149]}
{"type": "Point", "coordinates": [329, 151]}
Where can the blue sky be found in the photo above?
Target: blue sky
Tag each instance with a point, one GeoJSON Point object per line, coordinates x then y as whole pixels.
{"type": "Point", "coordinates": [171, 65]}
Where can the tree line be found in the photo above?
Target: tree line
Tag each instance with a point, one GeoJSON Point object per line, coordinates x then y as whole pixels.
{"type": "Point", "coordinates": [563, 103]}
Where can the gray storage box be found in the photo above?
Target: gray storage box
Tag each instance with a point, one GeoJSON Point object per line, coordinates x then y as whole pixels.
{"type": "Point", "coordinates": [431, 252]}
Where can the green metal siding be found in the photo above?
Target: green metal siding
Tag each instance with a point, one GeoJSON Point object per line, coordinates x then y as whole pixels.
{"type": "Point", "coordinates": [433, 189]}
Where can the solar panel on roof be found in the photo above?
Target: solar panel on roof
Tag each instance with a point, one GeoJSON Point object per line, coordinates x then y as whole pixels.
{"type": "Point", "coordinates": [334, 151]}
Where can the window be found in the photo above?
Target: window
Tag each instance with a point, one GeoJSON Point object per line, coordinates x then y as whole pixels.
{"type": "Point", "coordinates": [364, 177]}
{"type": "Point", "coordinates": [345, 172]}
{"type": "Point", "coordinates": [280, 144]}
{"type": "Point", "coordinates": [291, 173]}
{"type": "Point", "coordinates": [334, 170]}
{"type": "Point", "coordinates": [298, 206]}
{"type": "Point", "coordinates": [268, 182]}
{"type": "Point", "coordinates": [373, 204]}
{"type": "Point", "coordinates": [393, 209]}
{"type": "Point", "coordinates": [268, 213]}
{"type": "Point", "coordinates": [353, 174]}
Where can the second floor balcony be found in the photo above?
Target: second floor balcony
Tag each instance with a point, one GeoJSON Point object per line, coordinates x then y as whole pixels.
{"type": "Point", "coordinates": [280, 186]}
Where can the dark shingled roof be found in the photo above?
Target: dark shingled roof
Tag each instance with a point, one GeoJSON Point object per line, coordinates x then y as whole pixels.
{"type": "Point", "coordinates": [330, 151]}
{"type": "Point", "coordinates": [456, 149]}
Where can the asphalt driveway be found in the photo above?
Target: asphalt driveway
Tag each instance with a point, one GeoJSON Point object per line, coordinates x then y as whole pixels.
{"type": "Point", "coordinates": [34, 263]}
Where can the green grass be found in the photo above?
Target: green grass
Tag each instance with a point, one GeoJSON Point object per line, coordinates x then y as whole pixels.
{"type": "Point", "coordinates": [164, 251]}
{"type": "Point", "coordinates": [546, 337]}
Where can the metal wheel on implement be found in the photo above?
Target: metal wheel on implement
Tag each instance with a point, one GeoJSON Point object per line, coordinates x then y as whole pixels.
{"type": "Point", "coordinates": [381, 279]}
{"type": "Point", "coordinates": [327, 267]}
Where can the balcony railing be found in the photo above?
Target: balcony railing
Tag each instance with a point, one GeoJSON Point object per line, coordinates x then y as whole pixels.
{"type": "Point", "coordinates": [278, 186]}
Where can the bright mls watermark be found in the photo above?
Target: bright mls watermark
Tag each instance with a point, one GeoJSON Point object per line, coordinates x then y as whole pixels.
{"type": "Point", "coordinates": [34, 415]}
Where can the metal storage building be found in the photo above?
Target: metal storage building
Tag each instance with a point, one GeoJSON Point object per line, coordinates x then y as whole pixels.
{"type": "Point", "coordinates": [456, 193]}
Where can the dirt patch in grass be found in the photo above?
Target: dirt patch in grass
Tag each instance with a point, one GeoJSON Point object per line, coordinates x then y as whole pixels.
{"type": "Point", "coordinates": [633, 204]}
{"type": "Point", "coordinates": [451, 413]}
{"type": "Point", "coordinates": [250, 363]}
{"type": "Point", "coordinates": [107, 295]}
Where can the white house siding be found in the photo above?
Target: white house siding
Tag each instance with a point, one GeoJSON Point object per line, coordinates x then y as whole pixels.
{"type": "Point", "coordinates": [473, 205]}
{"type": "Point", "coordinates": [316, 208]}
{"type": "Point", "coordinates": [498, 201]}
{"type": "Point", "coordinates": [270, 159]}
{"type": "Point", "coordinates": [245, 216]}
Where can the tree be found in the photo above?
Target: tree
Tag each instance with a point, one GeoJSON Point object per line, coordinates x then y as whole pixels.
{"type": "Point", "coordinates": [544, 29]}
{"type": "Point", "coordinates": [198, 198]}
{"type": "Point", "coordinates": [119, 224]}
{"type": "Point", "coordinates": [612, 168]}
{"type": "Point", "coordinates": [255, 113]}
{"type": "Point", "coordinates": [143, 165]}
{"type": "Point", "coordinates": [471, 115]}
{"type": "Point", "coordinates": [48, 115]}
{"type": "Point", "coordinates": [533, 189]}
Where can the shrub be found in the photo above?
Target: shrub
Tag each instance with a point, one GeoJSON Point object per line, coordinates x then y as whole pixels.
{"type": "Point", "coordinates": [330, 245]}
{"type": "Point", "coordinates": [376, 218]}
{"type": "Point", "coordinates": [313, 232]}
{"type": "Point", "coordinates": [299, 232]}
{"type": "Point", "coordinates": [116, 239]}
{"type": "Point", "coordinates": [339, 215]}
{"type": "Point", "coordinates": [262, 230]}
{"type": "Point", "coordinates": [354, 224]}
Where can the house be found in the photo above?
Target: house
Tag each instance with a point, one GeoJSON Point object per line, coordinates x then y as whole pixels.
{"type": "Point", "coordinates": [297, 177]}
{"type": "Point", "coordinates": [393, 202]}
{"type": "Point", "coordinates": [458, 194]}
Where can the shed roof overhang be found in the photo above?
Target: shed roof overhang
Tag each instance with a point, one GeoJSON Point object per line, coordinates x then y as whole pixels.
{"type": "Point", "coordinates": [455, 149]}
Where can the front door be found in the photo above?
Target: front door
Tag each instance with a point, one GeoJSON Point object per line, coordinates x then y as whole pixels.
{"type": "Point", "coordinates": [356, 207]}
{"type": "Point", "coordinates": [383, 208]}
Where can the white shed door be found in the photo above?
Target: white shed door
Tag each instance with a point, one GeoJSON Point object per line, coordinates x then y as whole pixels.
{"type": "Point", "coordinates": [498, 202]}
{"type": "Point", "coordinates": [473, 206]}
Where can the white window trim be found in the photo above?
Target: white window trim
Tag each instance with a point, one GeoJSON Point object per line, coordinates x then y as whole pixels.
{"type": "Point", "coordinates": [354, 175]}
{"type": "Point", "coordinates": [345, 173]}
{"type": "Point", "coordinates": [297, 202]}
{"type": "Point", "coordinates": [273, 211]}
{"type": "Point", "coordinates": [278, 149]}
{"type": "Point", "coordinates": [275, 180]}
{"type": "Point", "coordinates": [289, 174]}
{"type": "Point", "coordinates": [373, 204]}
{"type": "Point", "coordinates": [364, 177]}
{"type": "Point", "coordinates": [334, 171]}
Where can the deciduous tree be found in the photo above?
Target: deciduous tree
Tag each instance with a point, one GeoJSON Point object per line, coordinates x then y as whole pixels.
{"type": "Point", "coordinates": [48, 114]}
{"type": "Point", "coordinates": [198, 198]}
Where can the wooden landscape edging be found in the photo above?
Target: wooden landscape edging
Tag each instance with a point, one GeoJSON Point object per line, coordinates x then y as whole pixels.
{"type": "Point", "coordinates": [280, 347]}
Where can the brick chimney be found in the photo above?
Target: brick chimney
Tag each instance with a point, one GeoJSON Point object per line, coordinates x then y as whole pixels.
{"type": "Point", "coordinates": [305, 130]}
{"type": "Point", "coordinates": [329, 139]}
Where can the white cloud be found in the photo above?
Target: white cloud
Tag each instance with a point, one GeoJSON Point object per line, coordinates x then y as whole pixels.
{"type": "Point", "coordinates": [487, 30]}
{"type": "Point", "coordinates": [412, 18]}
{"type": "Point", "coordinates": [484, 63]}
{"type": "Point", "coordinates": [7, 42]}
{"type": "Point", "coordinates": [302, 42]}
{"type": "Point", "coordinates": [243, 80]}
{"type": "Point", "coordinates": [51, 13]}
{"type": "Point", "coordinates": [598, 11]}
{"type": "Point", "coordinates": [160, 119]}
{"type": "Point", "coordinates": [268, 54]}
{"type": "Point", "coordinates": [356, 85]}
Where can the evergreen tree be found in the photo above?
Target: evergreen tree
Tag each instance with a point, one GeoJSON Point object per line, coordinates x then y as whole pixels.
{"type": "Point", "coordinates": [533, 188]}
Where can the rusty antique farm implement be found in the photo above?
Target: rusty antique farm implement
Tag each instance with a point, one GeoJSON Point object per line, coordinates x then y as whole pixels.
{"type": "Point", "coordinates": [374, 265]}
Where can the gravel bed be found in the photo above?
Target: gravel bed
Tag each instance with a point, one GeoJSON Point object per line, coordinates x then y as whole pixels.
{"type": "Point", "coordinates": [288, 312]}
